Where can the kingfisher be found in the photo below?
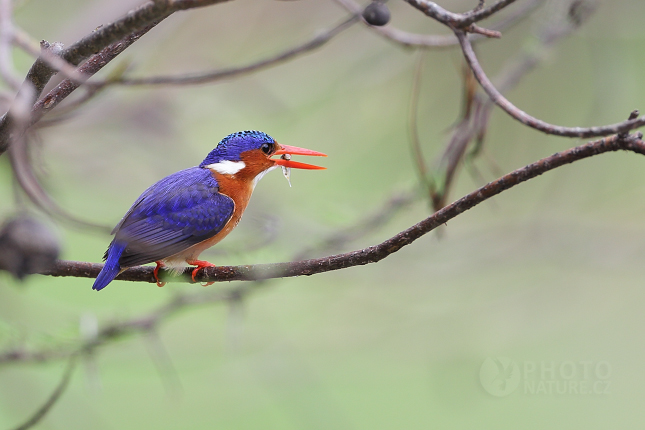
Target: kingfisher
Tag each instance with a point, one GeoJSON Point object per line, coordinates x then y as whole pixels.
{"type": "Point", "coordinates": [185, 213]}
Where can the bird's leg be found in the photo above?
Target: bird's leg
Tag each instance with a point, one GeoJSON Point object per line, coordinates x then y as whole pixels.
{"type": "Point", "coordinates": [200, 265]}
{"type": "Point", "coordinates": [156, 273]}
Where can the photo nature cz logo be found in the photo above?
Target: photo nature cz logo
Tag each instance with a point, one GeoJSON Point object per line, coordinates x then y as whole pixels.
{"type": "Point", "coordinates": [501, 376]}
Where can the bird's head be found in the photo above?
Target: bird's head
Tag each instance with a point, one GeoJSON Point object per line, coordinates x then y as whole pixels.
{"type": "Point", "coordinates": [247, 155]}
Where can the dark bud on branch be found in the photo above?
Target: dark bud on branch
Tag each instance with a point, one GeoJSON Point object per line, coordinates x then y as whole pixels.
{"type": "Point", "coordinates": [376, 13]}
{"type": "Point", "coordinates": [580, 11]}
{"type": "Point", "coordinates": [27, 246]}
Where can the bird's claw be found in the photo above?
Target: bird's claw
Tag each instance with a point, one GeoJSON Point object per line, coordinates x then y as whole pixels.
{"type": "Point", "coordinates": [156, 274]}
{"type": "Point", "coordinates": [203, 284]}
{"type": "Point", "coordinates": [200, 265]}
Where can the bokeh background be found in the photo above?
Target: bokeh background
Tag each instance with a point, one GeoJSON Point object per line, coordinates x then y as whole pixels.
{"type": "Point", "coordinates": [548, 274]}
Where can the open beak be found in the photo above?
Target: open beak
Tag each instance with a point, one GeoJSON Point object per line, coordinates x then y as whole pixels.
{"type": "Point", "coordinates": [294, 150]}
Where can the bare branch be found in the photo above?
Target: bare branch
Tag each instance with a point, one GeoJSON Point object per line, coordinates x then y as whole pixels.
{"type": "Point", "coordinates": [478, 107]}
{"type": "Point", "coordinates": [148, 14]}
{"type": "Point", "coordinates": [188, 4]}
{"type": "Point", "coordinates": [94, 87]}
{"type": "Point", "coordinates": [463, 133]}
{"type": "Point", "coordinates": [374, 253]}
{"type": "Point", "coordinates": [432, 41]}
{"type": "Point", "coordinates": [474, 28]}
{"type": "Point", "coordinates": [21, 117]}
{"type": "Point", "coordinates": [70, 109]}
{"type": "Point", "coordinates": [40, 72]}
{"type": "Point", "coordinates": [526, 119]}
{"type": "Point", "coordinates": [136, 22]}
{"type": "Point", "coordinates": [458, 20]}
{"type": "Point", "coordinates": [211, 76]}
{"type": "Point", "coordinates": [90, 67]}
{"type": "Point", "coordinates": [480, 12]}
{"type": "Point", "coordinates": [27, 44]}
{"type": "Point", "coordinates": [24, 175]}
{"type": "Point", "coordinates": [427, 183]}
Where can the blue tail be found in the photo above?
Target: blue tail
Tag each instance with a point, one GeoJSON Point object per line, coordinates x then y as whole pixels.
{"type": "Point", "coordinates": [111, 268]}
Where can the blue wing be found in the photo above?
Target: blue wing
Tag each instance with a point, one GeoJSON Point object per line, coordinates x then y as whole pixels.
{"type": "Point", "coordinates": [172, 215]}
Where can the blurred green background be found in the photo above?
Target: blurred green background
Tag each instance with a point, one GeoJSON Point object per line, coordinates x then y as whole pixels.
{"type": "Point", "coordinates": [548, 274]}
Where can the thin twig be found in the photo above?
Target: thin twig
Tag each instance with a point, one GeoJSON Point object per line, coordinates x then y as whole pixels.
{"type": "Point", "coordinates": [461, 137]}
{"type": "Point", "coordinates": [458, 20]}
{"type": "Point", "coordinates": [95, 86]}
{"type": "Point", "coordinates": [69, 110]}
{"type": "Point", "coordinates": [216, 75]}
{"type": "Point", "coordinates": [426, 181]}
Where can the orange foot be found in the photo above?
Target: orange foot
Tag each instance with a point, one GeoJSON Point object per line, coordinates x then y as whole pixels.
{"type": "Point", "coordinates": [156, 273]}
{"type": "Point", "coordinates": [200, 265]}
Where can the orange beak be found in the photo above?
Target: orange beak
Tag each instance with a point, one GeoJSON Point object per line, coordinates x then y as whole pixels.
{"type": "Point", "coordinates": [294, 150]}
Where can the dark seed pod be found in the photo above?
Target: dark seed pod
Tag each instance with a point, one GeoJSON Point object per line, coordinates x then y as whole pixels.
{"type": "Point", "coordinates": [27, 246]}
{"type": "Point", "coordinates": [376, 13]}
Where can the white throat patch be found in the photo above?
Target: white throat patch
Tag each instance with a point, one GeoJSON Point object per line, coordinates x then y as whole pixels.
{"type": "Point", "coordinates": [227, 167]}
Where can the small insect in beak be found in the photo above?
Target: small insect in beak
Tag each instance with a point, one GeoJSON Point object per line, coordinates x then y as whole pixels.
{"type": "Point", "coordinates": [286, 171]}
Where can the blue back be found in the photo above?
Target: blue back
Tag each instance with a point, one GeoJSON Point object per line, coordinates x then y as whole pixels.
{"type": "Point", "coordinates": [177, 212]}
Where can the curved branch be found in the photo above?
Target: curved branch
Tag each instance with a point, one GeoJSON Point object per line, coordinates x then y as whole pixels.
{"type": "Point", "coordinates": [526, 119]}
{"type": "Point", "coordinates": [27, 180]}
{"type": "Point", "coordinates": [433, 41]}
{"type": "Point", "coordinates": [374, 253]}
{"type": "Point", "coordinates": [402, 37]}
{"type": "Point", "coordinates": [204, 77]}
{"type": "Point", "coordinates": [427, 182]}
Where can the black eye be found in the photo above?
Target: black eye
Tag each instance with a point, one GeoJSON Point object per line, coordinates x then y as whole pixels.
{"type": "Point", "coordinates": [267, 148]}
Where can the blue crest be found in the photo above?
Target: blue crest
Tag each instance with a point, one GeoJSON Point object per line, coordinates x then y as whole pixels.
{"type": "Point", "coordinates": [232, 146]}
